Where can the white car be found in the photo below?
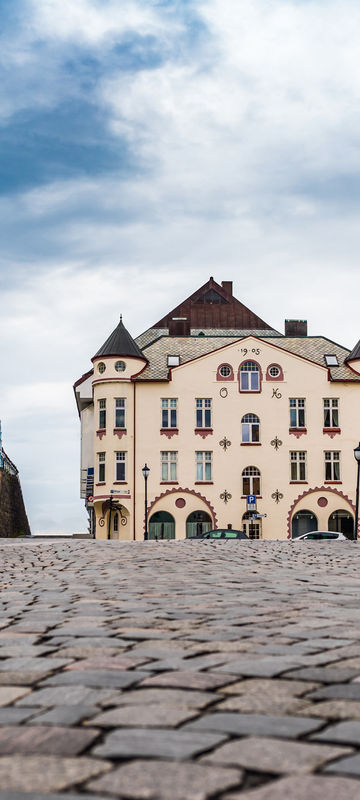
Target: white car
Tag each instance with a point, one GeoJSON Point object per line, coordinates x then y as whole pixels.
{"type": "Point", "coordinates": [322, 535]}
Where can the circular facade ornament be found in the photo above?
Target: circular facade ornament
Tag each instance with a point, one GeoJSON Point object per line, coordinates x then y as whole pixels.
{"type": "Point", "coordinates": [223, 392]}
{"type": "Point", "coordinates": [101, 522]}
{"type": "Point", "coordinates": [322, 502]}
{"type": "Point", "coordinates": [123, 521]}
{"type": "Point", "coordinates": [180, 502]}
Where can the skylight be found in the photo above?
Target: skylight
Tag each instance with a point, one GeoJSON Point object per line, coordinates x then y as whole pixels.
{"type": "Point", "coordinates": [331, 360]}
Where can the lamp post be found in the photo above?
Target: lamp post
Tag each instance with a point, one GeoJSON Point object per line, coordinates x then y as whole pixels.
{"type": "Point", "coordinates": [145, 472]}
{"type": "Point", "coordinates": [357, 457]}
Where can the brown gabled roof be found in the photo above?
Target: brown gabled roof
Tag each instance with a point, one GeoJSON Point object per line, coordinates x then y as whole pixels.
{"type": "Point", "coordinates": [120, 343]}
{"type": "Point", "coordinates": [214, 306]}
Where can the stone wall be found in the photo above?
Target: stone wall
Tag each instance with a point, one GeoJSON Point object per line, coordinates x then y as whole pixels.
{"type": "Point", "coordinates": [13, 518]}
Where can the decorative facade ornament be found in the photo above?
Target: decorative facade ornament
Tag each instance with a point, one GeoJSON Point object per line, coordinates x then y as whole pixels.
{"type": "Point", "coordinates": [277, 496]}
{"type": "Point", "coordinates": [276, 394]}
{"type": "Point", "coordinates": [223, 392]}
{"type": "Point", "coordinates": [225, 496]}
{"type": "Point", "coordinates": [276, 443]}
{"type": "Point", "coordinates": [225, 443]}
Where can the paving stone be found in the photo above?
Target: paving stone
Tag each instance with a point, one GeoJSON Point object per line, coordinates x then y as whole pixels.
{"type": "Point", "coordinates": [36, 796]}
{"type": "Point", "coordinates": [12, 715]}
{"type": "Point", "coordinates": [161, 780]}
{"type": "Point", "coordinates": [303, 787]}
{"type": "Point", "coordinates": [98, 678]}
{"type": "Point", "coordinates": [24, 677]}
{"type": "Point", "coordinates": [261, 667]}
{"type": "Point", "coordinates": [281, 688]}
{"type": "Point", "coordinates": [46, 740]}
{"type": "Point", "coordinates": [265, 755]}
{"type": "Point", "coordinates": [111, 662]}
{"type": "Point", "coordinates": [323, 674]}
{"type": "Point", "coordinates": [47, 773]}
{"type": "Point", "coordinates": [189, 680]}
{"type": "Point", "coordinates": [32, 664]}
{"type": "Point", "coordinates": [254, 704]}
{"type": "Point", "coordinates": [8, 694]}
{"type": "Point", "coordinates": [63, 715]}
{"type": "Point", "coordinates": [346, 766]}
{"type": "Point", "coordinates": [345, 732]}
{"type": "Point", "coordinates": [258, 724]}
{"type": "Point", "coordinates": [149, 715]}
{"type": "Point", "coordinates": [67, 696]}
{"type": "Point", "coordinates": [179, 698]}
{"type": "Point", "coordinates": [342, 691]}
{"type": "Point", "coordinates": [334, 709]}
{"type": "Point", "coordinates": [150, 742]}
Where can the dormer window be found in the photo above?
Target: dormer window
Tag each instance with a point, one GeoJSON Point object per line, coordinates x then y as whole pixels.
{"type": "Point", "coordinates": [331, 360]}
{"type": "Point", "coordinates": [249, 377]}
{"type": "Point", "coordinates": [173, 361]}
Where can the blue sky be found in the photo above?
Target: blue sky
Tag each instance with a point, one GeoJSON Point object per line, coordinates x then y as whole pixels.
{"type": "Point", "coordinates": [145, 146]}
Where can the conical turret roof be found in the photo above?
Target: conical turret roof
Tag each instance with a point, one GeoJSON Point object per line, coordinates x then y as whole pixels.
{"type": "Point", "coordinates": [355, 353]}
{"type": "Point", "coordinates": [120, 343]}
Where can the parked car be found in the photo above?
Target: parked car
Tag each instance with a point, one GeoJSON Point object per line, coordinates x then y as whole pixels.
{"type": "Point", "coordinates": [222, 533]}
{"type": "Point", "coordinates": [322, 535]}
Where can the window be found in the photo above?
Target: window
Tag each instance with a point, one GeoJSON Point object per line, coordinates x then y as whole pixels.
{"type": "Point", "coordinates": [332, 465]}
{"type": "Point", "coordinates": [251, 481]}
{"type": "Point", "coordinates": [331, 412]}
{"type": "Point", "coordinates": [120, 366]}
{"type": "Point", "coordinates": [225, 371]}
{"type": "Point", "coordinates": [331, 360]}
{"type": "Point", "coordinates": [116, 522]}
{"type": "Point", "coordinates": [249, 377]}
{"type": "Point", "coordinates": [102, 414]}
{"type": "Point", "coordinates": [250, 429]}
{"type": "Point", "coordinates": [169, 465]}
{"type": "Point", "coordinates": [120, 412]}
{"type": "Point", "coordinates": [203, 465]}
{"type": "Point", "coordinates": [120, 468]}
{"type": "Point", "coordinates": [101, 367]}
{"type": "Point", "coordinates": [173, 361]}
{"type": "Point", "coordinates": [101, 464]}
{"type": "Point", "coordinates": [297, 412]}
{"type": "Point", "coordinates": [298, 465]}
{"type": "Point", "coordinates": [168, 413]}
{"type": "Point", "coordinates": [274, 371]}
{"type": "Point", "coordinates": [203, 413]}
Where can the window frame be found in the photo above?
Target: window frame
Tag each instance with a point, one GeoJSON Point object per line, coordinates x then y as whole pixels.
{"type": "Point", "coordinates": [251, 425]}
{"type": "Point", "coordinates": [101, 466]}
{"type": "Point", "coordinates": [122, 412]}
{"type": "Point", "coordinates": [169, 466]}
{"type": "Point", "coordinates": [250, 389]}
{"type": "Point", "coordinates": [297, 413]}
{"type": "Point", "coordinates": [251, 480]}
{"type": "Point", "coordinates": [169, 413]}
{"type": "Point", "coordinates": [120, 474]}
{"type": "Point", "coordinates": [298, 466]}
{"type": "Point", "coordinates": [203, 412]}
{"type": "Point", "coordinates": [204, 466]}
{"type": "Point", "coordinates": [332, 466]}
{"type": "Point", "coordinates": [332, 411]}
{"type": "Point", "coordinates": [102, 414]}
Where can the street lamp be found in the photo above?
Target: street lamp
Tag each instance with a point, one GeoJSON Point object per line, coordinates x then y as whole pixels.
{"type": "Point", "coordinates": [145, 471]}
{"type": "Point", "coordinates": [357, 457]}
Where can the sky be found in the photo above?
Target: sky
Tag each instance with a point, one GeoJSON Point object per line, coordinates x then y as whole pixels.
{"type": "Point", "coordinates": [144, 146]}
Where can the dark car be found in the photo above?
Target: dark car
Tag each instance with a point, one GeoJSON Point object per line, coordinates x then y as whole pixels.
{"type": "Point", "coordinates": [222, 533]}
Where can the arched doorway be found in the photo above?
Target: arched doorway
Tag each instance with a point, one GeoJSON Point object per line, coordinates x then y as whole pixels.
{"type": "Point", "coordinates": [162, 526]}
{"type": "Point", "coordinates": [343, 522]}
{"type": "Point", "coordinates": [303, 522]}
{"type": "Point", "coordinates": [252, 527]}
{"type": "Point", "coordinates": [197, 523]}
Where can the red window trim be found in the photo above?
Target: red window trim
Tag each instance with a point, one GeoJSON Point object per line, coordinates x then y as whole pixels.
{"type": "Point", "coordinates": [221, 377]}
{"type": "Point", "coordinates": [250, 391]}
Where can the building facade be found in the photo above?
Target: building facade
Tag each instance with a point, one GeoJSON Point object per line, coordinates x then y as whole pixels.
{"type": "Point", "coordinates": [220, 406]}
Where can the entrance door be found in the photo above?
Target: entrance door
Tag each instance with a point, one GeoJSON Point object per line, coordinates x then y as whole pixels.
{"type": "Point", "coordinates": [343, 522]}
{"type": "Point", "coordinates": [162, 526]}
{"type": "Point", "coordinates": [252, 527]}
{"type": "Point", "coordinates": [303, 522]}
{"type": "Point", "coordinates": [197, 523]}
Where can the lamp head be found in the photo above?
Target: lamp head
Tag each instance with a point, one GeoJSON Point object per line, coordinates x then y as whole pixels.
{"type": "Point", "coordinates": [146, 470]}
{"type": "Point", "coordinates": [357, 453]}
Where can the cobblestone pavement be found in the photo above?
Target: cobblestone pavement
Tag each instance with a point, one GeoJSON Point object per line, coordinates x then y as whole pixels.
{"type": "Point", "coordinates": [179, 670]}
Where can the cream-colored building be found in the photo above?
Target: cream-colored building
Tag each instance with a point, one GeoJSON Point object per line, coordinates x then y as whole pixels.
{"type": "Point", "coordinates": [219, 406]}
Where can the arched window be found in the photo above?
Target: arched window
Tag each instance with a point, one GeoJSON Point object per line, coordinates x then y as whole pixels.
{"type": "Point", "coordinates": [161, 526]}
{"type": "Point", "coordinates": [250, 429]}
{"type": "Point", "coordinates": [249, 377]}
{"type": "Point", "coordinates": [252, 527]}
{"type": "Point", "coordinates": [251, 481]}
{"type": "Point", "coordinates": [343, 522]}
{"type": "Point", "coordinates": [116, 522]}
{"type": "Point", "coordinates": [197, 523]}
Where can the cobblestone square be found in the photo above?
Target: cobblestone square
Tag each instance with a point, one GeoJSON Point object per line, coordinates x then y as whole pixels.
{"type": "Point", "coordinates": [183, 670]}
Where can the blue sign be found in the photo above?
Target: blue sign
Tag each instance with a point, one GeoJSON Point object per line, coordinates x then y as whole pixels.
{"type": "Point", "coordinates": [251, 502]}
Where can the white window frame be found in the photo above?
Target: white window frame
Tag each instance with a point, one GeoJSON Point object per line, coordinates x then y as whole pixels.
{"type": "Point", "coordinates": [332, 465]}
{"type": "Point", "coordinates": [297, 412]}
{"type": "Point", "coordinates": [203, 460]}
{"type": "Point", "coordinates": [102, 414]}
{"type": "Point", "coordinates": [252, 476]}
{"type": "Point", "coordinates": [101, 467]}
{"type": "Point", "coordinates": [250, 429]}
{"type": "Point", "coordinates": [331, 409]}
{"type": "Point", "coordinates": [169, 412]}
{"type": "Point", "coordinates": [249, 384]}
{"type": "Point", "coordinates": [120, 460]}
{"type": "Point", "coordinates": [120, 406]}
{"type": "Point", "coordinates": [168, 462]}
{"type": "Point", "coordinates": [298, 466]}
{"type": "Point", "coordinates": [203, 412]}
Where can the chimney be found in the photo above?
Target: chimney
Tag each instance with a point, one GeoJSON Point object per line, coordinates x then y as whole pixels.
{"type": "Point", "coordinates": [296, 327]}
{"type": "Point", "coordinates": [228, 287]}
